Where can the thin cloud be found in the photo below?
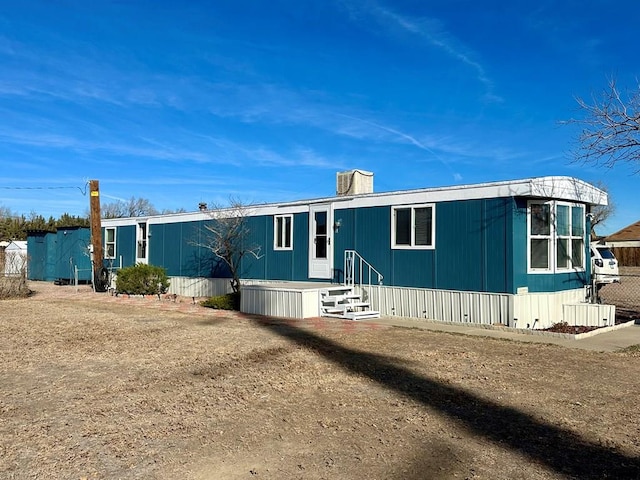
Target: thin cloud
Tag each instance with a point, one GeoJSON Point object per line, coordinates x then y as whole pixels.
{"type": "Point", "coordinates": [413, 141]}
{"type": "Point", "coordinates": [45, 140]}
{"type": "Point", "coordinates": [435, 33]}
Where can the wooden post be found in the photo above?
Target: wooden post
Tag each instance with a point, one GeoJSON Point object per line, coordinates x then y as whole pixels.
{"type": "Point", "coordinates": [96, 227]}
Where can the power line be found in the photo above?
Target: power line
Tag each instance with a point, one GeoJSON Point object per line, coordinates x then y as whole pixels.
{"type": "Point", "coordinates": [84, 192]}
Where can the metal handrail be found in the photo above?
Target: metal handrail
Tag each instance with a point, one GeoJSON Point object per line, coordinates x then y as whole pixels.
{"type": "Point", "coordinates": [350, 263]}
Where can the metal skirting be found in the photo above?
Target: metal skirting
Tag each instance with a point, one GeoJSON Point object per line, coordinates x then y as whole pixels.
{"type": "Point", "coordinates": [444, 305]}
{"type": "Point", "coordinates": [279, 301]}
{"type": "Point", "coordinates": [199, 287]}
{"type": "Point", "coordinates": [527, 310]}
{"type": "Point", "coordinates": [300, 300]}
{"type": "Point", "coordinates": [542, 310]}
{"type": "Point", "coordinates": [589, 314]}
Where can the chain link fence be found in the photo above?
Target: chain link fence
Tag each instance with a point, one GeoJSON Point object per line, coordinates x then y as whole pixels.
{"type": "Point", "coordinates": [624, 295]}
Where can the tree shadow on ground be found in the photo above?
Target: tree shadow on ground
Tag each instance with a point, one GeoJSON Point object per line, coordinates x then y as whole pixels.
{"type": "Point", "coordinates": [558, 449]}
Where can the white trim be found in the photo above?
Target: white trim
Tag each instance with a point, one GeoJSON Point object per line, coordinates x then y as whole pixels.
{"type": "Point", "coordinates": [284, 236]}
{"type": "Point", "coordinates": [561, 188]}
{"type": "Point", "coordinates": [115, 242]}
{"type": "Point", "coordinates": [412, 245]}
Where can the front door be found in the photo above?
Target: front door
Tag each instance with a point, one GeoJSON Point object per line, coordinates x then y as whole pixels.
{"type": "Point", "coordinates": [320, 241]}
{"type": "Point", "coordinates": [141, 243]}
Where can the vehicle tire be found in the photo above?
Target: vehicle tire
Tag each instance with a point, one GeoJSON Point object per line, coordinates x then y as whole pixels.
{"type": "Point", "coordinates": [102, 280]}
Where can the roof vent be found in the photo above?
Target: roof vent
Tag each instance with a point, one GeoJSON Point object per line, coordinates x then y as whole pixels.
{"type": "Point", "coordinates": [354, 182]}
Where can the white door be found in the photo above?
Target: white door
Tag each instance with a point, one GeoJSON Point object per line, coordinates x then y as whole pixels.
{"type": "Point", "coordinates": [321, 241]}
{"type": "Point", "coordinates": [142, 238]}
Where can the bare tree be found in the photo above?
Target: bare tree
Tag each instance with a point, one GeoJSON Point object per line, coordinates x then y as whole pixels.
{"type": "Point", "coordinates": [227, 237]}
{"type": "Point", "coordinates": [168, 211]}
{"type": "Point", "coordinates": [601, 213]}
{"type": "Point", "coordinates": [134, 207]}
{"type": "Point", "coordinates": [5, 212]}
{"type": "Point", "coordinates": [610, 128]}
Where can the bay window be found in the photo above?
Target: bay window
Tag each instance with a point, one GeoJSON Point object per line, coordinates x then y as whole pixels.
{"type": "Point", "coordinates": [555, 236]}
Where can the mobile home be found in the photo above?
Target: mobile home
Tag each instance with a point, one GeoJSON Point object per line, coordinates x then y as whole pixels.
{"type": "Point", "coordinates": [511, 252]}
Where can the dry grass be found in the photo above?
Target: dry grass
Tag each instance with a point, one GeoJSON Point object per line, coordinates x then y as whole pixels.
{"type": "Point", "coordinates": [95, 386]}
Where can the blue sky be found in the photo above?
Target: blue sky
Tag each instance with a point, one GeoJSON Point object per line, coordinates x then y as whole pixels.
{"type": "Point", "coordinates": [184, 102]}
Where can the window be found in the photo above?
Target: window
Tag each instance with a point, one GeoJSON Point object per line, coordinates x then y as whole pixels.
{"type": "Point", "coordinates": [110, 243]}
{"type": "Point", "coordinates": [413, 227]}
{"type": "Point", "coordinates": [556, 236]}
{"type": "Point", "coordinates": [540, 235]}
{"type": "Point", "coordinates": [283, 232]}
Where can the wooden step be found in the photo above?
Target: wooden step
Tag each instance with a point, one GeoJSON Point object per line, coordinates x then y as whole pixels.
{"type": "Point", "coordinates": [355, 304]}
{"type": "Point", "coordinates": [364, 315]}
{"type": "Point", "coordinates": [342, 302]}
{"type": "Point", "coordinates": [340, 298]}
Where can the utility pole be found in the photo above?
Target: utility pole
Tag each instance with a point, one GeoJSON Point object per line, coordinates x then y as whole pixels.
{"type": "Point", "coordinates": [96, 230]}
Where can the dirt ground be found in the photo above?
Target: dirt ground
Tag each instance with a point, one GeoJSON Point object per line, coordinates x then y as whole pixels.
{"type": "Point", "coordinates": [94, 386]}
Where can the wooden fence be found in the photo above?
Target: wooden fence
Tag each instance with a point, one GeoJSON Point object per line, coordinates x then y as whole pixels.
{"type": "Point", "coordinates": [627, 256]}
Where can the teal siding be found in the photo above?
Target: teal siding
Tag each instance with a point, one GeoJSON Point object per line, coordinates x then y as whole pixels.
{"type": "Point", "coordinates": [365, 230]}
{"type": "Point", "coordinates": [277, 264]}
{"type": "Point", "coordinates": [257, 238]}
{"type": "Point", "coordinates": [472, 246]}
{"type": "Point", "coordinates": [125, 247]}
{"type": "Point", "coordinates": [498, 244]}
{"type": "Point", "coordinates": [181, 249]}
{"type": "Point", "coordinates": [480, 245]}
{"type": "Point", "coordinates": [519, 234]}
{"type": "Point", "coordinates": [72, 250]}
{"type": "Point", "coordinates": [37, 256]}
{"type": "Point", "coordinates": [460, 246]}
{"type": "Point", "coordinates": [539, 282]}
{"type": "Point", "coordinates": [300, 254]}
{"type": "Point", "coordinates": [54, 255]}
{"type": "Point", "coordinates": [556, 282]}
{"type": "Point", "coordinates": [343, 239]}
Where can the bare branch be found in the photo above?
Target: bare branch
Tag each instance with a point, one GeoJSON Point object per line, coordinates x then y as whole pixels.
{"type": "Point", "coordinates": [228, 238]}
{"type": "Point", "coordinates": [601, 213]}
{"type": "Point", "coordinates": [134, 207]}
{"type": "Point", "coordinates": [610, 128]}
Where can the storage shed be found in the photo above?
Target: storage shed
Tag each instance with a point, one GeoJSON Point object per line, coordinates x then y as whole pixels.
{"type": "Point", "coordinates": [15, 258]}
{"type": "Point", "coordinates": [60, 256]}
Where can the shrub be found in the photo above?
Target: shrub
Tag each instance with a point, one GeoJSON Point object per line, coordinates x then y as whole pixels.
{"type": "Point", "coordinates": [230, 301]}
{"type": "Point", "coordinates": [142, 279]}
{"type": "Point", "coordinates": [14, 286]}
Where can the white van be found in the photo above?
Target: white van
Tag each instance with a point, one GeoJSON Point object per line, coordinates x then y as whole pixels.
{"type": "Point", "coordinates": [604, 266]}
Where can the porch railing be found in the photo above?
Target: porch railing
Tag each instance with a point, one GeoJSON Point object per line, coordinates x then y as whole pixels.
{"type": "Point", "coordinates": [357, 271]}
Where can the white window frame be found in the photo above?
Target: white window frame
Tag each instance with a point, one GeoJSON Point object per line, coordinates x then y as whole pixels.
{"type": "Point", "coordinates": [283, 219]}
{"type": "Point", "coordinates": [554, 236]}
{"type": "Point", "coordinates": [107, 243]}
{"type": "Point", "coordinates": [412, 245]}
